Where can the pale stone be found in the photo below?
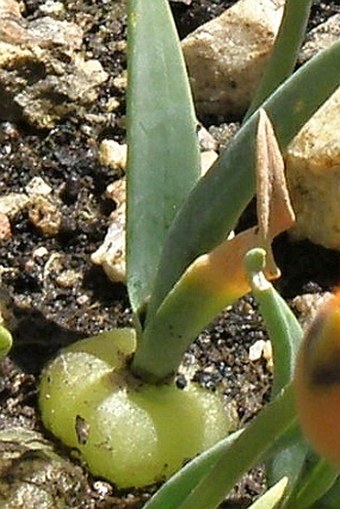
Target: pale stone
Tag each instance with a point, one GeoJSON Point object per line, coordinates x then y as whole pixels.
{"type": "Point", "coordinates": [308, 305]}
{"type": "Point", "coordinates": [262, 349]}
{"type": "Point", "coordinates": [121, 81]}
{"type": "Point", "coordinates": [111, 153]}
{"type": "Point", "coordinates": [226, 56]}
{"type": "Point", "coordinates": [68, 278]}
{"type": "Point", "coordinates": [40, 64]}
{"type": "Point", "coordinates": [206, 140]}
{"type": "Point", "coordinates": [5, 227]}
{"type": "Point", "coordinates": [36, 186]}
{"type": "Point", "coordinates": [313, 176]}
{"type": "Point", "coordinates": [112, 104]}
{"type": "Point", "coordinates": [40, 252]}
{"type": "Point", "coordinates": [256, 350]}
{"type": "Point", "coordinates": [111, 253]}
{"type": "Point", "coordinates": [12, 203]}
{"type": "Point", "coordinates": [321, 38]}
{"type": "Point", "coordinates": [52, 8]}
{"type": "Point", "coordinates": [44, 215]}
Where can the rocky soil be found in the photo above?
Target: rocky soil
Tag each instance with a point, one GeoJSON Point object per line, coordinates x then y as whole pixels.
{"type": "Point", "coordinates": [51, 293]}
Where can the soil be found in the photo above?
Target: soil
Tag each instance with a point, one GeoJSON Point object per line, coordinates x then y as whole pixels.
{"type": "Point", "coordinates": [48, 311]}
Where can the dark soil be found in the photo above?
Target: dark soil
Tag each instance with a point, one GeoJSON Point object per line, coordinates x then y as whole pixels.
{"type": "Point", "coordinates": [47, 314]}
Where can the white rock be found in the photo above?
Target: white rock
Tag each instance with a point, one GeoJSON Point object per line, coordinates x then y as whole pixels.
{"type": "Point", "coordinates": [256, 350]}
{"type": "Point", "coordinates": [12, 203]}
{"type": "Point", "coordinates": [262, 349]}
{"type": "Point", "coordinates": [320, 38]}
{"type": "Point", "coordinates": [313, 158]}
{"type": "Point", "coordinates": [313, 175]}
{"type": "Point", "coordinates": [226, 56]}
{"type": "Point", "coordinates": [37, 186]}
{"type": "Point", "coordinates": [206, 140]}
{"type": "Point", "coordinates": [111, 254]}
{"type": "Point", "coordinates": [40, 252]}
{"type": "Point", "coordinates": [52, 8]}
{"type": "Point", "coordinates": [308, 305]}
{"type": "Point", "coordinates": [111, 153]}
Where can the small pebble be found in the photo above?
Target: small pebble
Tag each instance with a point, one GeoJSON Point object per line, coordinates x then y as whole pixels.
{"type": "Point", "coordinates": [112, 154]}
{"type": "Point", "coordinates": [5, 227]}
{"type": "Point", "coordinates": [37, 186]}
{"type": "Point", "coordinates": [45, 216]}
{"type": "Point", "coordinates": [40, 252]}
{"type": "Point", "coordinates": [68, 278]}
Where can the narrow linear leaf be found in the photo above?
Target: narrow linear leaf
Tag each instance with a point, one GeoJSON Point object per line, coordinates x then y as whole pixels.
{"type": "Point", "coordinates": [214, 206]}
{"type": "Point", "coordinates": [179, 486]}
{"type": "Point", "coordinates": [331, 499]}
{"type": "Point", "coordinates": [308, 479]}
{"type": "Point", "coordinates": [318, 477]}
{"type": "Point", "coordinates": [163, 157]}
{"type": "Point", "coordinates": [285, 52]}
{"type": "Point", "coordinates": [216, 479]}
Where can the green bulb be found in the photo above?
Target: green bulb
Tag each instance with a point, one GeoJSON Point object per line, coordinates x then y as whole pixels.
{"type": "Point", "coordinates": [128, 432]}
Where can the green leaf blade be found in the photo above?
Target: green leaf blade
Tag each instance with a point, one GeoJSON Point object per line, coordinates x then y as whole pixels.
{"type": "Point", "coordinates": [331, 499]}
{"type": "Point", "coordinates": [285, 52]}
{"type": "Point", "coordinates": [284, 330]}
{"type": "Point", "coordinates": [316, 480]}
{"type": "Point", "coordinates": [219, 198]}
{"type": "Point", "coordinates": [286, 335]}
{"type": "Point", "coordinates": [163, 156]}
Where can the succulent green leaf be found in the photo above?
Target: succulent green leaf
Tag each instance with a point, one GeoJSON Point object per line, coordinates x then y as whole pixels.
{"type": "Point", "coordinates": [179, 486]}
{"type": "Point", "coordinates": [283, 327]}
{"type": "Point", "coordinates": [163, 156]}
{"type": "Point", "coordinates": [290, 460]}
{"type": "Point", "coordinates": [287, 44]}
{"type": "Point", "coordinates": [316, 480]}
{"type": "Point", "coordinates": [331, 499]}
{"type": "Point", "coordinates": [217, 201]}
{"type": "Point", "coordinates": [286, 334]}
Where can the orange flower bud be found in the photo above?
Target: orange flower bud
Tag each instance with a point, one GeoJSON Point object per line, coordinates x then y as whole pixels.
{"type": "Point", "coordinates": [317, 382]}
